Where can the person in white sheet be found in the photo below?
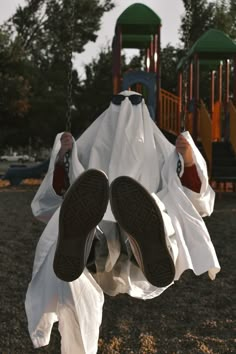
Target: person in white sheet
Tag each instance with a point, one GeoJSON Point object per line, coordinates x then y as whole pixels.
{"type": "Point", "coordinates": [129, 223]}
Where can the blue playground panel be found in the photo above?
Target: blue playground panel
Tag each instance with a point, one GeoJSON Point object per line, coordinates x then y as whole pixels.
{"type": "Point", "coordinates": [149, 81]}
{"type": "Point", "coordinates": [17, 173]}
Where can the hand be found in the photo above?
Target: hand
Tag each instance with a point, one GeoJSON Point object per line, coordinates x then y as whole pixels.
{"type": "Point", "coordinates": [182, 146]}
{"type": "Point", "coordinates": [66, 145]}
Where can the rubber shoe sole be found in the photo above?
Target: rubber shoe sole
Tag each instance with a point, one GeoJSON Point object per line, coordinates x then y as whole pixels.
{"type": "Point", "coordinates": [82, 209]}
{"type": "Point", "coordinates": [138, 214]}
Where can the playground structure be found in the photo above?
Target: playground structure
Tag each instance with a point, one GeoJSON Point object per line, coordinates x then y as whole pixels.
{"type": "Point", "coordinates": [212, 128]}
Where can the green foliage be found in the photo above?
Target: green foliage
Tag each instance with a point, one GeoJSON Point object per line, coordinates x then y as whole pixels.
{"type": "Point", "coordinates": [136, 62]}
{"type": "Point", "coordinates": [198, 18]}
{"type": "Point", "coordinates": [170, 57]}
{"type": "Point", "coordinates": [202, 15]}
{"type": "Point", "coordinates": [47, 27]}
{"type": "Point", "coordinates": [224, 17]}
{"type": "Point", "coordinates": [95, 91]}
{"type": "Point", "coordinates": [14, 87]}
{"type": "Point", "coordinates": [36, 47]}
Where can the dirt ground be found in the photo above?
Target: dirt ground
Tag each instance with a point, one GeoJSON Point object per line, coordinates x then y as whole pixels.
{"type": "Point", "coordinates": [195, 315]}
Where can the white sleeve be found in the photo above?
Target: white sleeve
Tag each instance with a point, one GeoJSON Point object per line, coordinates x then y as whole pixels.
{"type": "Point", "coordinates": [203, 201]}
{"type": "Point", "coordinates": [46, 201]}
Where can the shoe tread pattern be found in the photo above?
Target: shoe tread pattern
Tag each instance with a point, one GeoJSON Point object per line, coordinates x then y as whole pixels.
{"type": "Point", "coordinates": [137, 213]}
{"type": "Point", "coordinates": [83, 208]}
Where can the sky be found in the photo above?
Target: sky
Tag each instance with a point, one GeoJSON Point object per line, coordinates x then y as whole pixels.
{"type": "Point", "coordinates": [170, 12]}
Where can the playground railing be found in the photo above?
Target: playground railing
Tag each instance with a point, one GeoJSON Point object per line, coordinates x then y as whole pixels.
{"type": "Point", "coordinates": [216, 121]}
{"type": "Point", "coordinates": [232, 134]}
{"type": "Point", "coordinates": [170, 112]}
{"type": "Point", "coordinates": [205, 134]}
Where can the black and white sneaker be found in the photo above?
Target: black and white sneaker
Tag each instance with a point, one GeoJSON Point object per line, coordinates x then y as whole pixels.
{"type": "Point", "coordinates": [82, 209]}
{"type": "Point", "coordinates": [139, 216]}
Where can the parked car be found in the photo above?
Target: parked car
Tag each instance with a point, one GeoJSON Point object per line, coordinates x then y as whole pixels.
{"type": "Point", "coordinates": [16, 158]}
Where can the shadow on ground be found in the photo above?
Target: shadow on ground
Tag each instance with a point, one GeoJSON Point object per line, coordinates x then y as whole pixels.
{"type": "Point", "coordinates": [193, 316]}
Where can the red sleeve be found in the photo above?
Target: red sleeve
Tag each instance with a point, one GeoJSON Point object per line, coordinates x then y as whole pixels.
{"type": "Point", "coordinates": [59, 179]}
{"type": "Point", "coordinates": [190, 179]}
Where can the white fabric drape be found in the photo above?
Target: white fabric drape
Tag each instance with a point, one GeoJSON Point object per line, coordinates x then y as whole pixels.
{"type": "Point", "coordinates": [122, 141]}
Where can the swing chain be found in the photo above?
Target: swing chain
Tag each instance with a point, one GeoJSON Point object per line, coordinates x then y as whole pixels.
{"type": "Point", "coordinates": [185, 79]}
{"type": "Point", "coordinates": [185, 73]}
{"type": "Point", "coordinates": [179, 167]}
{"type": "Point", "coordinates": [71, 17]}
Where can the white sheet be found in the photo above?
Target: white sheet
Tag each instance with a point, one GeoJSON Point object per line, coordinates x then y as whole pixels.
{"type": "Point", "coordinates": [122, 141]}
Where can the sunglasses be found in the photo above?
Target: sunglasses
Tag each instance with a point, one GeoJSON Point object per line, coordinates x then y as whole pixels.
{"type": "Point", "coordinates": [134, 99]}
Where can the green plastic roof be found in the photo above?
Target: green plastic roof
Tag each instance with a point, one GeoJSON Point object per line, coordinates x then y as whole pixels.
{"type": "Point", "coordinates": [210, 64]}
{"type": "Point", "coordinates": [213, 41]}
{"type": "Point", "coordinates": [212, 45]}
{"type": "Point", "coordinates": [136, 41]}
{"type": "Point", "coordinates": [138, 19]}
{"type": "Point", "coordinates": [181, 63]}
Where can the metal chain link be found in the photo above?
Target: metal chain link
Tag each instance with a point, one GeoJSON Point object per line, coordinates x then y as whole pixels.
{"type": "Point", "coordinates": [185, 80]}
{"type": "Point", "coordinates": [185, 71]}
{"type": "Point", "coordinates": [71, 14]}
{"type": "Point", "coordinates": [179, 167]}
{"type": "Point", "coordinates": [71, 20]}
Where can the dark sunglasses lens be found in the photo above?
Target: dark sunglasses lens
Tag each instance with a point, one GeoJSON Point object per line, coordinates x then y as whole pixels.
{"type": "Point", "coordinates": [135, 99]}
{"type": "Point", "coordinates": [117, 99]}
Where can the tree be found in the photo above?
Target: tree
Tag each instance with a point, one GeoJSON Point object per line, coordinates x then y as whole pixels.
{"type": "Point", "coordinates": [170, 57]}
{"type": "Point", "coordinates": [46, 32]}
{"type": "Point", "coordinates": [198, 18]}
{"type": "Point", "coordinates": [224, 17]}
{"type": "Point", "coordinates": [14, 88]}
{"type": "Point", "coordinates": [201, 15]}
{"type": "Point", "coordinates": [94, 93]}
{"type": "Point", "coordinates": [232, 12]}
{"type": "Point", "coordinates": [47, 27]}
